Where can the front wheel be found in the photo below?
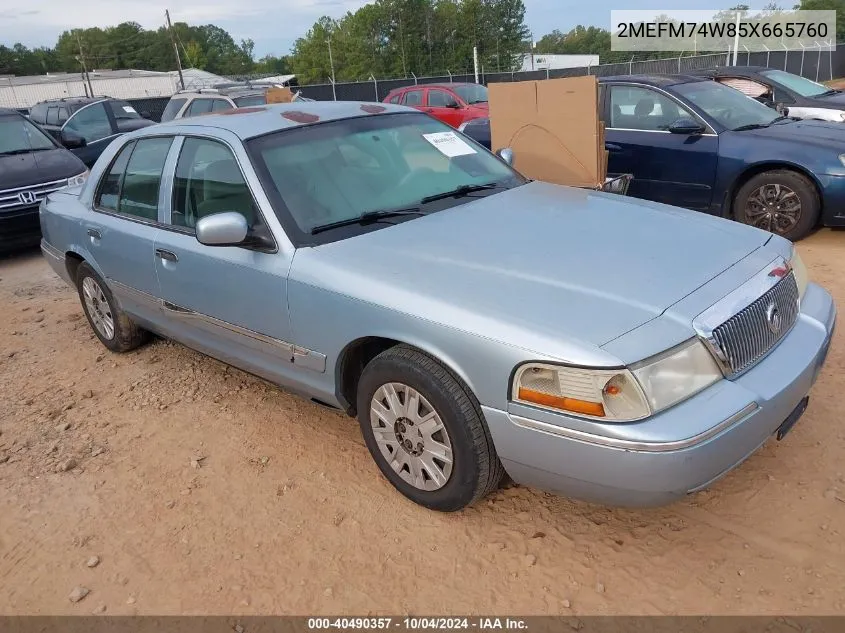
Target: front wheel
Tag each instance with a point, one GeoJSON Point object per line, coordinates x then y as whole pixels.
{"type": "Point", "coordinates": [425, 431]}
{"type": "Point", "coordinates": [779, 201]}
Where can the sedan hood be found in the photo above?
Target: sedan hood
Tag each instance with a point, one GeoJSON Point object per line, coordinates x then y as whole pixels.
{"type": "Point", "coordinates": [536, 265]}
{"type": "Point", "coordinates": [825, 133]}
{"type": "Point", "coordinates": [34, 168]}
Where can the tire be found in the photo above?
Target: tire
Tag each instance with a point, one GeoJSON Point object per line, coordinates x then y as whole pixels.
{"type": "Point", "coordinates": [475, 469]}
{"type": "Point", "coordinates": [767, 202]}
{"type": "Point", "coordinates": [112, 325]}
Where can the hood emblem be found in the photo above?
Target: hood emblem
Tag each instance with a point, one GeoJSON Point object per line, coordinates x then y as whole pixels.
{"type": "Point", "coordinates": [26, 197]}
{"type": "Point", "coordinates": [773, 320]}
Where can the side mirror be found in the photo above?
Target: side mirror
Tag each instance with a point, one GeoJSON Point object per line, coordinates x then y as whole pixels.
{"type": "Point", "coordinates": [506, 154]}
{"type": "Point", "coordinates": [686, 126]}
{"type": "Point", "coordinates": [454, 105]}
{"type": "Point", "coordinates": [228, 228]}
{"type": "Point", "coordinates": [71, 140]}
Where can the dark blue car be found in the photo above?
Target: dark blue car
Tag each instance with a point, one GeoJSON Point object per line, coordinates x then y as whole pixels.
{"type": "Point", "coordinates": [694, 143]}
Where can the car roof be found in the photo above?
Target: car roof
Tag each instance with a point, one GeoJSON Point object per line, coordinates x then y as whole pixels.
{"type": "Point", "coordinates": [80, 101]}
{"type": "Point", "coordinates": [254, 121]}
{"type": "Point", "coordinates": [730, 71]}
{"type": "Point", "coordinates": [653, 80]}
{"type": "Point", "coordinates": [442, 84]}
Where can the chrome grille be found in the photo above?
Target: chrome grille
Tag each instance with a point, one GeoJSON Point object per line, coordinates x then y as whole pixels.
{"type": "Point", "coordinates": [10, 199]}
{"type": "Point", "coordinates": [747, 336]}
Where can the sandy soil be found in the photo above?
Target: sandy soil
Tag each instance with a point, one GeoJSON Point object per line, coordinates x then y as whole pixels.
{"type": "Point", "coordinates": [204, 490]}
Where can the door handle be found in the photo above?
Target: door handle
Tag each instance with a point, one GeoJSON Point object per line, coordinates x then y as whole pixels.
{"type": "Point", "coordinates": [166, 255]}
{"type": "Point", "coordinates": [95, 234]}
{"type": "Point", "coordinates": [612, 147]}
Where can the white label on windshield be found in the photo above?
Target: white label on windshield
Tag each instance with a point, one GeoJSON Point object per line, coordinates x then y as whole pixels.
{"type": "Point", "coordinates": [449, 144]}
{"type": "Point", "coordinates": [129, 109]}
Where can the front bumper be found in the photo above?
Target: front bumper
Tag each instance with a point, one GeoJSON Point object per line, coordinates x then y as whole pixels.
{"type": "Point", "coordinates": [648, 463]}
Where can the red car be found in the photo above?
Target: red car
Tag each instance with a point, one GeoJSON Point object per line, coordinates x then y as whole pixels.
{"type": "Point", "coordinates": [453, 103]}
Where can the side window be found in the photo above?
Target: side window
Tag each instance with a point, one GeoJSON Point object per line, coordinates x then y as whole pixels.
{"type": "Point", "coordinates": [39, 114]}
{"type": "Point", "coordinates": [781, 96]}
{"type": "Point", "coordinates": [91, 123]}
{"type": "Point", "coordinates": [142, 178]}
{"type": "Point", "coordinates": [52, 116]}
{"type": "Point", "coordinates": [220, 105]}
{"type": "Point", "coordinates": [395, 98]}
{"type": "Point", "coordinates": [208, 181]}
{"type": "Point", "coordinates": [440, 99]}
{"type": "Point", "coordinates": [109, 191]}
{"type": "Point", "coordinates": [199, 106]}
{"type": "Point", "coordinates": [636, 108]}
{"type": "Point", "coordinates": [413, 98]}
{"type": "Point", "coordinates": [172, 109]}
{"type": "Point", "coordinates": [62, 115]}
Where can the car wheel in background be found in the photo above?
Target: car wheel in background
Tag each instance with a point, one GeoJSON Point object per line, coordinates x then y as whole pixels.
{"type": "Point", "coordinates": [112, 325]}
{"type": "Point", "coordinates": [425, 430]}
{"type": "Point", "coordinates": [780, 201]}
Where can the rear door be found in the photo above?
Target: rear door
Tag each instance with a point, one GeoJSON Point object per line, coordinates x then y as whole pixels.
{"type": "Point", "coordinates": [228, 301]}
{"type": "Point", "coordinates": [414, 97]}
{"type": "Point", "coordinates": [444, 106]}
{"type": "Point", "coordinates": [122, 229]}
{"type": "Point", "coordinates": [677, 169]}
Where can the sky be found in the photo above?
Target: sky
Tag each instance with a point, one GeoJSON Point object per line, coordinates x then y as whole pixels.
{"type": "Point", "coordinates": [272, 24]}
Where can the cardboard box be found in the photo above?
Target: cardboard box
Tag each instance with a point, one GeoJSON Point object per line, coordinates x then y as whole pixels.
{"type": "Point", "coordinates": [553, 128]}
{"type": "Point", "coordinates": [279, 95]}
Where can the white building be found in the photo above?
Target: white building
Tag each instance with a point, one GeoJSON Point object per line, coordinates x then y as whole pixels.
{"type": "Point", "coordinates": [543, 62]}
{"type": "Point", "coordinates": [25, 92]}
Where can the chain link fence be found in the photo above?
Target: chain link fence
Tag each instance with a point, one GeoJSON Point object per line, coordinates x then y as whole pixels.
{"type": "Point", "coordinates": [820, 63]}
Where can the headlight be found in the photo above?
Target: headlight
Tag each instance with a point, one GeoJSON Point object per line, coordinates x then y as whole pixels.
{"type": "Point", "coordinates": [619, 395]}
{"type": "Point", "coordinates": [78, 180]}
{"type": "Point", "coordinates": [799, 271]}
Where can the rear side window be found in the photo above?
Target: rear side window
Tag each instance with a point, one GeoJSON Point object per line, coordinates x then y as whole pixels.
{"type": "Point", "coordinates": [172, 109]}
{"type": "Point", "coordinates": [220, 105]}
{"type": "Point", "coordinates": [62, 115]}
{"type": "Point", "coordinates": [199, 106]}
{"type": "Point", "coordinates": [413, 98]}
{"type": "Point", "coordinates": [110, 185]}
{"type": "Point", "coordinates": [53, 116]}
{"type": "Point", "coordinates": [132, 184]}
{"type": "Point", "coordinates": [254, 100]}
{"type": "Point", "coordinates": [91, 122]}
{"type": "Point", "coordinates": [39, 113]}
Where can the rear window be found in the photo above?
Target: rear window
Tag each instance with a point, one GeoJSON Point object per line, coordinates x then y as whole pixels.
{"type": "Point", "coordinates": [172, 109]}
{"type": "Point", "coordinates": [251, 100]}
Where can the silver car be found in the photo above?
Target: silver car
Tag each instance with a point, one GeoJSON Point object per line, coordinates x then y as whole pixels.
{"type": "Point", "coordinates": [475, 322]}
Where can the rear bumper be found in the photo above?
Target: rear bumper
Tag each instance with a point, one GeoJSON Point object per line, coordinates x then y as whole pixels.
{"type": "Point", "coordinates": [651, 466]}
{"type": "Point", "coordinates": [19, 229]}
{"type": "Point", "coordinates": [56, 259]}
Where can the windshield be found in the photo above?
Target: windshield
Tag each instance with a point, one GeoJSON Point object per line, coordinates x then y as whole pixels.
{"type": "Point", "coordinates": [471, 93]}
{"type": "Point", "coordinates": [18, 135]}
{"type": "Point", "coordinates": [803, 87]}
{"type": "Point", "coordinates": [727, 106]}
{"type": "Point", "coordinates": [122, 110]}
{"type": "Point", "coordinates": [250, 100]}
{"type": "Point", "coordinates": [337, 171]}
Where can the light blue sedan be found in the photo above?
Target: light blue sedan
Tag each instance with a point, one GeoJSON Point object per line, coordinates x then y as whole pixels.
{"type": "Point", "coordinates": [375, 260]}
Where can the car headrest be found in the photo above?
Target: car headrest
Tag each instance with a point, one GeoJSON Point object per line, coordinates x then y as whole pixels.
{"type": "Point", "coordinates": [644, 107]}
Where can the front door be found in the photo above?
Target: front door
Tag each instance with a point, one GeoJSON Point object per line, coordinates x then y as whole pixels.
{"type": "Point", "coordinates": [676, 169]}
{"type": "Point", "coordinates": [94, 125]}
{"type": "Point", "coordinates": [443, 105]}
{"type": "Point", "coordinates": [121, 231]}
{"type": "Point", "coordinates": [228, 301]}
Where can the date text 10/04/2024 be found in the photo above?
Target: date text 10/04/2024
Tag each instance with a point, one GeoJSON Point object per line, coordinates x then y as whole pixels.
{"type": "Point", "coordinates": [417, 623]}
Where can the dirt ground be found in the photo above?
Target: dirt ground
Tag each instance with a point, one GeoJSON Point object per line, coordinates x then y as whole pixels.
{"type": "Point", "coordinates": [202, 490]}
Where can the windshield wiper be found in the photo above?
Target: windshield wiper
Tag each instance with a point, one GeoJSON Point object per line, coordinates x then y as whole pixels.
{"type": "Point", "coordinates": [827, 93]}
{"type": "Point", "coordinates": [367, 218]}
{"type": "Point", "coordinates": [457, 192]}
{"type": "Point", "coordinates": [14, 152]}
{"type": "Point", "coordinates": [752, 126]}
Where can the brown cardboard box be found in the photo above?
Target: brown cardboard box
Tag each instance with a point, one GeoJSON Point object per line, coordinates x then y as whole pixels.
{"type": "Point", "coordinates": [279, 95]}
{"type": "Point", "coordinates": [553, 128]}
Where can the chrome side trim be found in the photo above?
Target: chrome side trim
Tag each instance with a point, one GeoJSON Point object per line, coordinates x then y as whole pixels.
{"type": "Point", "coordinates": [300, 356]}
{"type": "Point", "coordinates": [48, 250]}
{"type": "Point", "coordinates": [631, 445]}
{"type": "Point", "coordinates": [138, 296]}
